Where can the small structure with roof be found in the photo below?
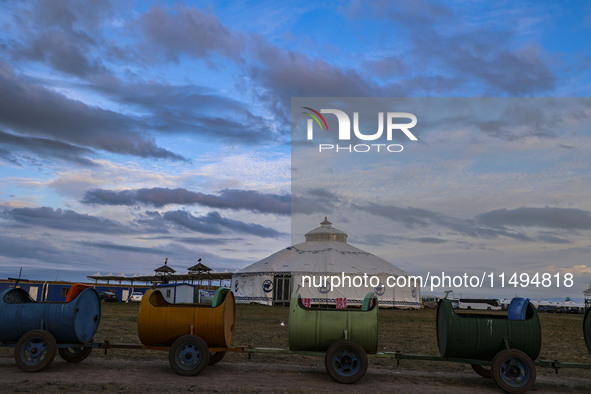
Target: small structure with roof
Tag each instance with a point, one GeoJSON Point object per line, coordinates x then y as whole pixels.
{"type": "Point", "coordinates": [164, 271]}
{"type": "Point", "coordinates": [325, 253]}
{"type": "Point", "coordinates": [183, 292]}
{"type": "Point", "coordinates": [179, 293]}
{"type": "Point", "coordinates": [199, 273]}
{"type": "Point", "coordinates": [198, 268]}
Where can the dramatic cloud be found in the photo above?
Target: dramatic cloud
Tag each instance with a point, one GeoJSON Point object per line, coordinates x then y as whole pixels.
{"type": "Point", "coordinates": [203, 224]}
{"type": "Point", "coordinates": [159, 197]}
{"type": "Point", "coordinates": [557, 218]}
{"type": "Point", "coordinates": [501, 222]}
{"type": "Point", "coordinates": [119, 97]}
{"type": "Point", "coordinates": [315, 200]}
{"type": "Point", "coordinates": [20, 248]}
{"type": "Point", "coordinates": [387, 66]}
{"type": "Point", "coordinates": [62, 34]}
{"type": "Point", "coordinates": [381, 239]}
{"type": "Point", "coordinates": [543, 117]}
{"type": "Point", "coordinates": [214, 223]}
{"type": "Point", "coordinates": [186, 30]}
{"type": "Point", "coordinates": [65, 220]}
{"type": "Point", "coordinates": [42, 147]}
{"type": "Point", "coordinates": [123, 248]}
{"type": "Point", "coordinates": [409, 217]}
{"type": "Point", "coordinates": [553, 239]}
{"type": "Point", "coordinates": [64, 52]}
{"type": "Point", "coordinates": [286, 74]}
{"type": "Point", "coordinates": [453, 58]}
{"type": "Point", "coordinates": [459, 51]}
{"type": "Point", "coordinates": [416, 218]}
{"type": "Point", "coordinates": [77, 42]}
{"type": "Point", "coordinates": [192, 110]}
{"type": "Point", "coordinates": [517, 72]}
{"type": "Point", "coordinates": [197, 240]}
{"type": "Point", "coordinates": [33, 109]}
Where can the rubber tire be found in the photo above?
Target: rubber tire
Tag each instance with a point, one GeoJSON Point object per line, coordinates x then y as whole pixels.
{"type": "Point", "coordinates": [216, 357]}
{"type": "Point", "coordinates": [511, 365]}
{"type": "Point", "coordinates": [482, 370]}
{"type": "Point", "coordinates": [74, 354]}
{"type": "Point", "coordinates": [188, 355]}
{"type": "Point", "coordinates": [346, 361]}
{"type": "Point", "coordinates": [35, 350]}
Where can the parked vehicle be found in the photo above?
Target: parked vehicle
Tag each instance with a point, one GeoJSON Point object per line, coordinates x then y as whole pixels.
{"type": "Point", "coordinates": [136, 296]}
{"type": "Point", "coordinates": [108, 296]}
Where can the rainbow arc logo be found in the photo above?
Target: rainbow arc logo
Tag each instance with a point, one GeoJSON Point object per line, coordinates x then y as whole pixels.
{"type": "Point", "coordinates": [315, 116]}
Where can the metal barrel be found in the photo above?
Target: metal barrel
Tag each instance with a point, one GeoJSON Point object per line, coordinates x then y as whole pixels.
{"type": "Point", "coordinates": [160, 322]}
{"type": "Point", "coordinates": [69, 322]}
{"type": "Point", "coordinates": [587, 329]}
{"type": "Point", "coordinates": [314, 329]}
{"type": "Point", "coordinates": [481, 337]}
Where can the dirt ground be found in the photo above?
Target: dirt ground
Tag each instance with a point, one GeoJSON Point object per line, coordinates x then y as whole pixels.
{"type": "Point", "coordinates": [106, 374]}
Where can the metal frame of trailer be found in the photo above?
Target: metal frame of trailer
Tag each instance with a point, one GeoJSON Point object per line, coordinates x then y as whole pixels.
{"type": "Point", "coordinates": [398, 356]}
{"type": "Point", "coordinates": [506, 369]}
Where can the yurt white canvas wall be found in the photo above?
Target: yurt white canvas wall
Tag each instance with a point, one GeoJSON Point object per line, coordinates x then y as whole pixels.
{"type": "Point", "coordinates": [324, 254]}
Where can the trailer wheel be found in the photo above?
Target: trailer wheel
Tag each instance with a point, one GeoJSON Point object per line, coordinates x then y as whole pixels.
{"type": "Point", "coordinates": [513, 371]}
{"type": "Point", "coordinates": [482, 370]}
{"type": "Point", "coordinates": [216, 357]}
{"type": "Point", "coordinates": [346, 361]}
{"type": "Point", "coordinates": [35, 350]}
{"type": "Point", "coordinates": [188, 355]}
{"type": "Point", "coordinates": [74, 354]}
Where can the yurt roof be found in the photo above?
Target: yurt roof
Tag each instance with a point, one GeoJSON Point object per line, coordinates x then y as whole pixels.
{"type": "Point", "coordinates": [326, 233]}
{"type": "Point", "coordinates": [324, 256]}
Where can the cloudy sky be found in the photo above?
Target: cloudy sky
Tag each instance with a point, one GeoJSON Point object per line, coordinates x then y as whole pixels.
{"type": "Point", "coordinates": [134, 131]}
{"type": "Point", "coordinates": [492, 186]}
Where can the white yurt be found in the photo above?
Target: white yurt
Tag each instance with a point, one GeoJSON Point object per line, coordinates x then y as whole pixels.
{"type": "Point", "coordinates": [325, 270]}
